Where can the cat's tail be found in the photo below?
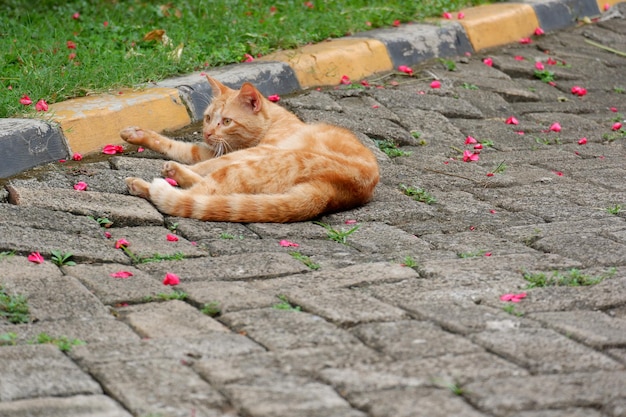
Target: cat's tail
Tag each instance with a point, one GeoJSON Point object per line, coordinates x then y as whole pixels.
{"type": "Point", "coordinates": [302, 202]}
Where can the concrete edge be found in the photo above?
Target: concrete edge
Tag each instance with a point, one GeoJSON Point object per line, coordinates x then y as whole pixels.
{"type": "Point", "coordinates": [85, 125]}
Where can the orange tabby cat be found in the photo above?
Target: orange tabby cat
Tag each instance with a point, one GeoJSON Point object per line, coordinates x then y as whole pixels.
{"type": "Point", "coordinates": [259, 163]}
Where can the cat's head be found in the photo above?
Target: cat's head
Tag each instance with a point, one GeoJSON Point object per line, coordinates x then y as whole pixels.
{"type": "Point", "coordinates": [235, 119]}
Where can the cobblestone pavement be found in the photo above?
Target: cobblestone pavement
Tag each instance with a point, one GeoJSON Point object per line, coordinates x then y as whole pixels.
{"type": "Point", "coordinates": [405, 318]}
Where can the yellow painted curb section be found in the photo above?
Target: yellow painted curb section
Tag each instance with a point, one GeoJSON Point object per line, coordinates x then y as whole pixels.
{"type": "Point", "coordinates": [327, 62]}
{"type": "Point", "coordinates": [89, 123]}
{"type": "Point", "coordinates": [498, 24]}
{"type": "Point", "coordinates": [611, 3]}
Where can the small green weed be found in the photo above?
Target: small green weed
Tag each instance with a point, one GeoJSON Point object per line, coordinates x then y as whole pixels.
{"type": "Point", "coordinates": [619, 90]}
{"type": "Point", "coordinates": [14, 308]}
{"type": "Point", "coordinates": [474, 254]}
{"type": "Point", "coordinates": [173, 227]}
{"type": "Point", "coordinates": [409, 262]}
{"type": "Point", "coordinates": [545, 75]}
{"type": "Point", "coordinates": [390, 148]}
{"type": "Point", "coordinates": [285, 304]}
{"type": "Point", "coordinates": [8, 339]}
{"type": "Point", "coordinates": [613, 136]}
{"type": "Point", "coordinates": [500, 168]}
{"type": "Point", "coordinates": [418, 194]}
{"type": "Point", "coordinates": [6, 254]}
{"type": "Point", "coordinates": [157, 257]}
{"type": "Point", "coordinates": [63, 343]}
{"type": "Point", "coordinates": [212, 309]}
{"type": "Point", "coordinates": [510, 308]}
{"type": "Point", "coordinates": [571, 278]}
{"type": "Point", "coordinates": [616, 209]}
{"type": "Point", "coordinates": [305, 260]}
{"type": "Point", "coordinates": [469, 86]}
{"type": "Point", "coordinates": [548, 141]}
{"type": "Point", "coordinates": [60, 259]}
{"type": "Point", "coordinates": [339, 236]}
{"type": "Point", "coordinates": [175, 295]}
{"type": "Point", "coordinates": [449, 64]}
{"type": "Point", "coordinates": [486, 143]}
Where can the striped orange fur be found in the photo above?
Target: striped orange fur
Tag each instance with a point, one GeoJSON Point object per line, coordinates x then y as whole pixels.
{"type": "Point", "coordinates": [258, 163]}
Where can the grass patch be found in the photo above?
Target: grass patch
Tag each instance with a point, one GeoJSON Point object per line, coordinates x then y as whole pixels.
{"type": "Point", "coordinates": [510, 308]}
{"type": "Point", "coordinates": [13, 307]}
{"type": "Point", "coordinates": [110, 48]}
{"type": "Point", "coordinates": [418, 194]}
{"type": "Point", "coordinates": [6, 254]}
{"type": "Point", "coordinates": [211, 309]}
{"type": "Point", "coordinates": [285, 304]}
{"type": "Point", "coordinates": [174, 295]}
{"type": "Point", "coordinates": [616, 209]}
{"type": "Point", "coordinates": [571, 278]}
{"type": "Point", "coordinates": [305, 260]}
{"type": "Point", "coordinates": [390, 148]}
{"type": "Point", "coordinates": [60, 258]}
{"type": "Point", "coordinates": [473, 254]}
{"type": "Point", "coordinates": [64, 343]}
{"type": "Point", "coordinates": [339, 236]}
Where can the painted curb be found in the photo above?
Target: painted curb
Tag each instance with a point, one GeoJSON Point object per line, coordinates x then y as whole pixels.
{"type": "Point", "coordinates": [85, 125]}
{"type": "Point", "coordinates": [26, 143]}
{"type": "Point", "coordinates": [268, 77]}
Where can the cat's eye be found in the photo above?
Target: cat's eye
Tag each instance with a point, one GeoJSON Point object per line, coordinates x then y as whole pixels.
{"type": "Point", "coordinates": [226, 121]}
{"type": "Point", "coordinates": [207, 117]}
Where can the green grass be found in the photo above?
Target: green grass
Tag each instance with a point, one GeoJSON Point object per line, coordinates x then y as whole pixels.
{"type": "Point", "coordinates": [285, 304]}
{"type": "Point", "coordinates": [63, 342]}
{"type": "Point", "coordinates": [305, 260]}
{"type": "Point", "coordinates": [616, 209]}
{"type": "Point", "coordinates": [211, 309]}
{"type": "Point", "coordinates": [174, 295]}
{"type": "Point", "coordinates": [207, 33]}
{"type": "Point", "coordinates": [390, 148]}
{"type": "Point", "coordinates": [571, 278]}
{"type": "Point", "coordinates": [339, 236]}
{"type": "Point", "coordinates": [418, 194]}
{"type": "Point", "coordinates": [13, 307]}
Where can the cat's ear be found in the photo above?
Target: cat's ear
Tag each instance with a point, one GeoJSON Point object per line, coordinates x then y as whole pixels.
{"type": "Point", "coordinates": [218, 87]}
{"type": "Point", "coordinates": [251, 97]}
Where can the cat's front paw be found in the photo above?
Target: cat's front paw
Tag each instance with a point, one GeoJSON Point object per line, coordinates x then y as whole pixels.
{"type": "Point", "coordinates": [134, 135]}
{"type": "Point", "coordinates": [138, 187]}
{"type": "Point", "coordinates": [170, 170]}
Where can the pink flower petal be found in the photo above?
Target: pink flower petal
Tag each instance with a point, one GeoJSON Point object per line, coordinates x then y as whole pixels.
{"type": "Point", "coordinates": [172, 238]}
{"type": "Point", "coordinates": [470, 140]}
{"type": "Point", "coordinates": [76, 16]}
{"type": "Point", "coordinates": [488, 62]}
{"type": "Point", "coordinates": [349, 222]}
{"type": "Point", "coordinates": [25, 100]}
{"type": "Point", "coordinates": [36, 258]}
{"type": "Point", "coordinates": [405, 69]}
{"type": "Point", "coordinates": [447, 15]}
{"type": "Point", "coordinates": [345, 80]}
{"type": "Point", "coordinates": [539, 32]}
{"type": "Point", "coordinates": [492, 211]}
{"type": "Point", "coordinates": [558, 173]}
{"type": "Point", "coordinates": [435, 84]}
{"type": "Point", "coordinates": [171, 182]}
{"type": "Point", "coordinates": [469, 156]}
{"type": "Point", "coordinates": [460, 15]}
{"type": "Point", "coordinates": [288, 244]}
{"type": "Point", "coordinates": [121, 274]}
{"type": "Point", "coordinates": [108, 235]}
{"type": "Point", "coordinates": [579, 91]}
{"type": "Point", "coordinates": [140, 149]}
{"type": "Point", "coordinates": [80, 186]}
{"type": "Point", "coordinates": [71, 45]}
{"type": "Point", "coordinates": [582, 141]}
{"type": "Point", "coordinates": [248, 58]}
{"type": "Point", "coordinates": [606, 7]}
{"type": "Point", "coordinates": [539, 65]}
{"type": "Point", "coordinates": [506, 297]}
{"type": "Point", "coordinates": [555, 127]}
{"type": "Point", "coordinates": [551, 61]}
{"type": "Point", "coordinates": [41, 105]}
{"type": "Point", "coordinates": [396, 23]}
{"type": "Point", "coordinates": [511, 121]}
{"type": "Point", "coordinates": [478, 146]}
{"type": "Point", "coordinates": [488, 254]}
{"type": "Point", "coordinates": [121, 243]}
{"type": "Point", "coordinates": [525, 41]}
{"type": "Point", "coordinates": [274, 98]}
{"type": "Point", "coordinates": [77, 156]}
{"type": "Point", "coordinates": [519, 58]}
{"type": "Point", "coordinates": [616, 126]}
{"type": "Point", "coordinates": [112, 149]}
{"type": "Point", "coordinates": [614, 109]}
{"type": "Point", "coordinates": [171, 279]}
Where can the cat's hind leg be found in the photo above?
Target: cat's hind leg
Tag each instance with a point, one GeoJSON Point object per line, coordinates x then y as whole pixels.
{"type": "Point", "coordinates": [182, 174]}
{"type": "Point", "coordinates": [138, 187]}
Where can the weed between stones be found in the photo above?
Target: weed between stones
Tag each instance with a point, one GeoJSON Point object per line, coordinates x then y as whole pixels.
{"type": "Point", "coordinates": [285, 304]}
{"type": "Point", "coordinates": [571, 278]}
{"type": "Point", "coordinates": [13, 307]}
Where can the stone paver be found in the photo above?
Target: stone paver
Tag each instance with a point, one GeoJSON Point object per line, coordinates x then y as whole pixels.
{"type": "Point", "coordinates": [405, 318]}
